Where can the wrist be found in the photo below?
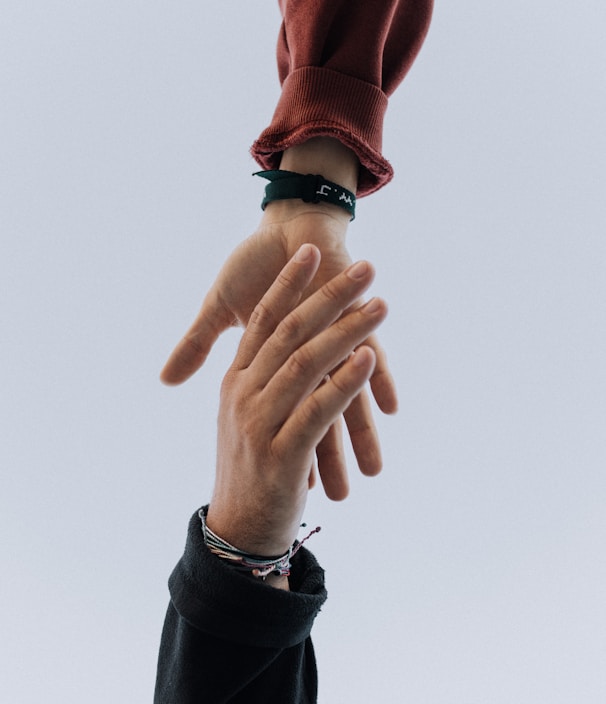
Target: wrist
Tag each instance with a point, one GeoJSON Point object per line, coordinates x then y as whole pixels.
{"type": "Point", "coordinates": [282, 211]}
{"type": "Point", "coordinates": [325, 156]}
{"type": "Point", "coordinates": [272, 572]}
{"type": "Point", "coordinates": [264, 541]}
{"type": "Point", "coordinates": [330, 159]}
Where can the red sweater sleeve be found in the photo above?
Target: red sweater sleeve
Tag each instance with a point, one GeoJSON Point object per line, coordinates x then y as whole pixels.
{"type": "Point", "coordinates": [338, 61]}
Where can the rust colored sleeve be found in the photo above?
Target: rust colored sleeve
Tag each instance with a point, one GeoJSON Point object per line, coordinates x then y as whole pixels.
{"type": "Point", "coordinates": [338, 62]}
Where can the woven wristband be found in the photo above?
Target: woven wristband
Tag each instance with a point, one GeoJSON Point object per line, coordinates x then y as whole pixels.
{"type": "Point", "coordinates": [309, 188]}
{"type": "Point", "coordinates": [244, 561]}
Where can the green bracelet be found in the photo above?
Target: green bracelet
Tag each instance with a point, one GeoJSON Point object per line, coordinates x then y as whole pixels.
{"type": "Point", "coordinates": [309, 188]}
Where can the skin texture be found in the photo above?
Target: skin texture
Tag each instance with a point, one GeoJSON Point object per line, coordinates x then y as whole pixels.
{"type": "Point", "coordinates": [254, 265]}
{"type": "Point", "coordinates": [277, 402]}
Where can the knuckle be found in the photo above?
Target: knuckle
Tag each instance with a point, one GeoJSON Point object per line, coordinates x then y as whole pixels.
{"type": "Point", "coordinates": [301, 363]}
{"type": "Point", "coordinates": [249, 428]}
{"type": "Point", "coordinates": [341, 386]}
{"type": "Point", "coordinates": [287, 279]}
{"type": "Point", "coordinates": [353, 327]}
{"type": "Point", "coordinates": [359, 424]}
{"type": "Point", "coordinates": [289, 327]}
{"type": "Point", "coordinates": [344, 326]}
{"type": "Point", "coordinates": [190, 344]}
{"type": "Point", "coordinates": [331, 291]}
{"type": "Point", "coordinates": [361, 432]}
{"type": "Point", "coordinates": [261, 316]}
{"type": "Point", "coordinates": [313, 411]}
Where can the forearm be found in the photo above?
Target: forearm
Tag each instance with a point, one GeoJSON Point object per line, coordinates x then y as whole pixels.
{"type": "Point", "coordinates": [338, 63]}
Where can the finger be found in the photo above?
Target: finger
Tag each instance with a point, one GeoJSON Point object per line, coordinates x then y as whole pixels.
{"type": "Point", "coordinates": [381, 382]}
{"type": "Point", "coordinates": [307, 365]}
{"type": "Point", "coordinates": [311, 481]}
{"type": "Point", "coordinates": [191, 352]}
{"type": "Point", "coordinates": [312, 316]}
{"type": "Point", "coordinates": [279, 300]}
{"type": "Point", "coordinates": [331, 463]}
{"type": "Point", "coordinates": [363, 434]}
{"type": "Point", "coordinates": [312, 419]}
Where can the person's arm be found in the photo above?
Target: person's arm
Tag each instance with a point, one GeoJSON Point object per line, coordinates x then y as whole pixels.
{"type": "Point", "coordinates": [230, 636]}
{"type": "Point", "coordinates": [338, 62]}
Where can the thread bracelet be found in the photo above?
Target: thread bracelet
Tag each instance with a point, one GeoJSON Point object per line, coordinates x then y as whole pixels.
{"type": "Point", "coordinates": [244, 561]}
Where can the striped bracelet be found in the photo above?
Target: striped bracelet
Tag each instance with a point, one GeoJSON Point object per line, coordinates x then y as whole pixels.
{"type": "Point", "coordinates": [244, 561]}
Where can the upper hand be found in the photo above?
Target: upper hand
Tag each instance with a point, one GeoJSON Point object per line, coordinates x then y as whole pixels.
{"type": "Point", "coordinates": [241, 284]}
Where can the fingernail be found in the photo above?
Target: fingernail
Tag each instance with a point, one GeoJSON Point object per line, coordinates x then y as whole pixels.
{"type": "Point", "coordinates": [373, 306]}
{"type": "Point", "coordinates": [358, 270]}
{"type": "Point", "coordinates": [360, 357]}
{"type": "Point", "coordinates": [304, 253]}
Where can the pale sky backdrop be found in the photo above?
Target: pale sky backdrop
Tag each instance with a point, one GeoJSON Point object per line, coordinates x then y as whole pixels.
{"type": "Point", "coordinates": [473, 570]}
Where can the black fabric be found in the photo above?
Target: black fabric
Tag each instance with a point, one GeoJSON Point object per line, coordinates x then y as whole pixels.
{"type": "Point", "coordinates": [310, 188]}
{"type": "Point", "coordinates": [228, 637]}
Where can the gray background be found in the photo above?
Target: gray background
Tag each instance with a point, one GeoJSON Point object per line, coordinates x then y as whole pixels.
{"type": "Point", "coordinates": [472, 570]}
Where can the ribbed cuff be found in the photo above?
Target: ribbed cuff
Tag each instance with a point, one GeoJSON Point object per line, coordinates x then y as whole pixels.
{"type": "Point", "coordinates": [318, 102]}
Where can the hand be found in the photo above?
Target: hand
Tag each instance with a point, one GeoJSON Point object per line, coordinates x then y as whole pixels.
{"type": "Point", "coordinates": [277, 403]}
{"type": "Point", "coordinates": [242, 282]}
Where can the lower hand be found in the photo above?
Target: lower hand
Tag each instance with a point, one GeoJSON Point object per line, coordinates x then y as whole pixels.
{"type": "Point", "coordinates": [277, 402]}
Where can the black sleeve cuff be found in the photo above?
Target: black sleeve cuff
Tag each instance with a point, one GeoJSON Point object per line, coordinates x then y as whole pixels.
{"type": "Point", "coordinates": [227, 604]}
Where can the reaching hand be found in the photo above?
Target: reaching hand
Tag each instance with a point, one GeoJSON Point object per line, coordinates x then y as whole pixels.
{"type": "Point", "coordinates": [241, 284]}
{"type": "Point", "coordinates": [277, 402]}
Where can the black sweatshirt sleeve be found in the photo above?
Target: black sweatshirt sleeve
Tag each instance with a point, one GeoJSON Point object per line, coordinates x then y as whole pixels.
{"type": "Point", "coordinates": [228, 637]}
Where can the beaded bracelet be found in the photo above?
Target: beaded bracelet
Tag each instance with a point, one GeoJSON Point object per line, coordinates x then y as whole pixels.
{"type": "Point", "coordinates": [245, 562]}
{"type": "Point", "coordinates": [310, 188]}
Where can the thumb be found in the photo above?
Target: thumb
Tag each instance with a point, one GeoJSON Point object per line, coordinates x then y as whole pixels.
{"type": "Point", "coordinates": [193, 349]}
